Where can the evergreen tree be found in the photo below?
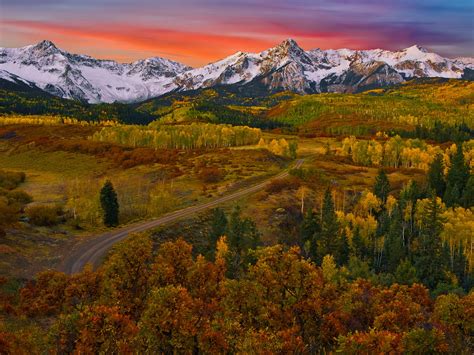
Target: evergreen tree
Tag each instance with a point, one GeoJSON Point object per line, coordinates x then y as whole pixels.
{"type": "Point", "coordinates": [242, 236]}
{"type": "Point", "coordinates": [383, 223]}
{"type": "Point", "coordinates": [218, 226]}
{"type": "Point", "coordinates": [457, 178]}
{"type": "Point", "coordinates": [459, 264]}
{"type": "Point", "coordinates": [430, 259]}
{"type": "Point", "coordinates": [343, 249]}
{"type": "Point", "coordinates": [468, 193]}
{"type": "Point", "coordinates": [326, 241]}
{"type": "Point", "coordinates": [452, 195]}
{"type": "Point", "coordinates": [393, 247]}
{"type": "Point", "coordinates": [382, 186]}
{"type": "Point", "coordinates": [309, 227]}
{"type": "Point", "coordinates": [408, 200]}
{"type": "Point", "coordinates": [436, 177]}
{"type": "Point", "coordinates": [109, 204]}
{"type": "Point", "coordinates": [359, 249]}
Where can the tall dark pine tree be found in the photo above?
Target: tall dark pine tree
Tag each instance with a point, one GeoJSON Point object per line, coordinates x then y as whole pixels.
{"type": "Point", "coordinates": [109, 204]}
{"type": "Point", "coordinates": [468, 193]}
{"type": "Point", "coordinates": [218, 226]}
{"type": "Point", "coordinates": [242, 236]}
{"type": "Point", "coordinates": [382, 186]}
{"type": "Point", "coordinates": [327, 241]}
{"type": "Point", "coordinates": [343, 249]}
{"type": "Point", "coordinates": [309, 227]}
{"type": "Point", "coordinates": [430, 259]}
{"type": "Point", "coordinates": [359, 249]}
{"type": "Point", "coordinates": [394, 250]}
{"type": "Point", "coordinates": [436, 177]}
{"type": "Point", "coordinates": [457, 178]}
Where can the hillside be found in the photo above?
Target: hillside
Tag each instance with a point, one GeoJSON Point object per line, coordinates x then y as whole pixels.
{"type": "Point", "coordinates": [401, 108]}
{"type": "Point", "coordinates": [419, 103]}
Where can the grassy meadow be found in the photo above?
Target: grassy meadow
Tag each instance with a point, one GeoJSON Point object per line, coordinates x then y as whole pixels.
{"type": "Point", "coordinates": [65, 168]}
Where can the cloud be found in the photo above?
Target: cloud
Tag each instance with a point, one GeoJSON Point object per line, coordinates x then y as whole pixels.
{"type": "Point", "coordinates": [201, 31]}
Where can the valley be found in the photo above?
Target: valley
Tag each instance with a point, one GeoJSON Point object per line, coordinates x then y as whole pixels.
{"type": "Point", "coordinates": [236, 177]}
{"type": "Point", "coordinates": [203, 199]}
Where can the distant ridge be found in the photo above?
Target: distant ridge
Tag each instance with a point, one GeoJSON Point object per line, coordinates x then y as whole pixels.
{"type": "Point", "coordinates": [284, 67]}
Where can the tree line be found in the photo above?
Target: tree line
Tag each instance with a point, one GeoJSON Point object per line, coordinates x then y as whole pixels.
{"type": "Point", "coordinates": [31, 103]}
{"type": "Point", "coordinates": [396, 152]}
{"type": "Point", "coordinates": [192, 136]}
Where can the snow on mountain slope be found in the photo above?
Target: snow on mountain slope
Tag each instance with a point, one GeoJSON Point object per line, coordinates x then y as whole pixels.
{"type": "Point", "coordinates": [14, 78]}
{"type": "Point", "coordinates": [283, 67]}
{"type": "Point", "coordinates": [88, 79]}
{"type": "Point", "coordinates": [289, 67]}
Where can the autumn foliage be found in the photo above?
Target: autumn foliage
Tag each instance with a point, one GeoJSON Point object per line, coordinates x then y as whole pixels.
{"type": "Point", "coordinates": [171, 301]}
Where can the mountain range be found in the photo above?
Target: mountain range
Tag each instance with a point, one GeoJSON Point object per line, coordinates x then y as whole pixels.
{"type": "Point", "coordinates": [286, 67]}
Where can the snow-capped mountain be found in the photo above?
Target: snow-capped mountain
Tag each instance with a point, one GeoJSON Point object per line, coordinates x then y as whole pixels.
{"type": "Point", "coordinates": [85, 78]}
{"type": "Point", "coordinates": [288, 67]}
{"type": "Point", "coordinates": [284, 67]}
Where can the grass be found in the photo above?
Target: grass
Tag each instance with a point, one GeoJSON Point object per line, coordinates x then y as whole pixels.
{"type": "Point", "coordinates": [51, 171]}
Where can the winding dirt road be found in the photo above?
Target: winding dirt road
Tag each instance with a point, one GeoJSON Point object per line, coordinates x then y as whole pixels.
{"type": "Point", "coordinates": [93, 250]}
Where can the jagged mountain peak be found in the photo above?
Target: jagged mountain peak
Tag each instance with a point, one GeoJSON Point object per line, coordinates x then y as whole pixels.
{"type": "Point", "coordinates": [285, 66]}
{"type": "Point", "coordinates": [416, 48]}
{"type": "Point", "coordinates": [85, 78]}
{"type": "Point", "coordinates": [44, 47]}
{"type": "Point", "coordinates": [288, 48]}
{"type": "Point", "coordinates": [289, 43]}
{"type": "Point", "coordinates": [45, 44]}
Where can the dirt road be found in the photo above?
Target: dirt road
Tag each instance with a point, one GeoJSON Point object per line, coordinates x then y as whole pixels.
{"type": "Point", "coordinates": [92, 250]}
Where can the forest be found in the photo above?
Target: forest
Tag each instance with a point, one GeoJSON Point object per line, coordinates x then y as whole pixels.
{"type": "Point", "coordinates": [397, 152]}
{"type": "Point", "coordinates": [359, 239]}
{"type": "Point", "coordinates": [433, 109]}
{"type": "Point", "coordinates": [391, 274]}
{"type": "Point", "coordinates": [192, 136]}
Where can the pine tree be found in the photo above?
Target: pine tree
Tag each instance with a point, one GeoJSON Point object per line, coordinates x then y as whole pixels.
{"type": "Point", "coordinates": [468, 193]}
{"type": "Point", "coordinates": [394, 248]}
{"type": "Point", "coordinates": [457, 178]}
{"type": "Point", "coordinates": [309, 227]}
{"type": "Point", "coordinates": [326, 241]}
{"type": "Point", "coordinates": [343, 249]}
{"type": "Point", "coordinates": [217, 229]}
{"type": "Point", "coordinates": [430, 259]}
{"type": "Point", "coordinates": [359, 249]}
{"type": "Point", "coordinates": [436, 177]}
{"type": "Point", "coordinates": [243, 235]}
{"type": "Point", "coordinates": [452, 195]}
{"type": "Point", "coordinates": [218, 226]}
{"type": "Point", "coordinates": [109, 204]}
{"type": "Point", "coordinates": [382, 186]}
{"type": "Point", "coordinates": [459, 266]}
